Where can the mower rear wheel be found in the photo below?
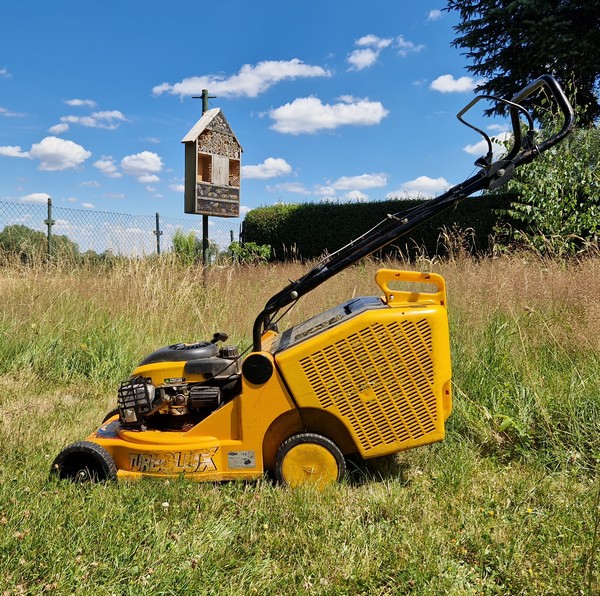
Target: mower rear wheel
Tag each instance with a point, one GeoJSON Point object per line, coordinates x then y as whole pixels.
{"type": "Point", "coordinates": [84, 462]}
{"type": "Point", "coordinates": [309, 459]}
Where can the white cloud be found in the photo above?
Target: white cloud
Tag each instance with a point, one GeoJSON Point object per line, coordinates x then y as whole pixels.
{"type": "Point", "coordinates": [9, 114]}
{"type": "Point", "coordinates": [423, 186]}
{"type": "Point", "coordinates": [91, 184]}
{"type": "Point", "coordinates": [405, 47]}
{"type": "Point", "coordinates": [144, 166]}
{"type": "Point", "coordinates": [177, 187]}
{"type": "Point", "coordinates": [360, 182]}
{"type": "Point", "coordinates": [57, 154]}
{"type": "Point", "coordinates": [58, 129]}
{"type": "Point", "coordinates": [250, 81]}
{"type": "Point", "coordinates": [13, 151]}
{"type": "Point", "coordinates": [356, 195]}
{"type": "Point", "coordinates": [108, 167]}
{"type": "Point", "coordinates": [88, 206]}
{"type": "Point", "coordinates": [293, 187]}
{"type": "Point", "coordinates": [448, 84]}
{"type": "Point", "coordinates": [309, 115]}
{"type": "Point", "coordinates": [434, 15]}
{"type": "Point", "coordinates": [109, 120]}
{"type": "Point", "coordinates": [373, 41]}
{"type": "Point", "coordinates": [481, 148]}
{"type": "Point", "coordinates": [270, 168]}
{"type": "Point", "coordinates": [148, 179]}
{"type": "Point", "coordinates": [370, 47]}
{"type": "Point", "coordinates": [353, 184]}
{"type": "Point", "coordinates": [88, 103]}
{"type": "Point", "coordinates": [244, 209]}
{"type": "Point", "coordinates": [361, 59]}
{"type": "Point", "coordinates": [4, 73]}
{"type": "Point", "coordinates": [36, 197]}
{"type": "Point", "coordinates": [325, 191]}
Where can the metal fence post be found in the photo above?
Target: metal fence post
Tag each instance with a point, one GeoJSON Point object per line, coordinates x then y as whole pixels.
{"type": "Point", "coordinates": [158, 233]}
{"type": "Point", "coordinates": [49, 222]}
{"type": "Point", "coordinates": [205, 260]}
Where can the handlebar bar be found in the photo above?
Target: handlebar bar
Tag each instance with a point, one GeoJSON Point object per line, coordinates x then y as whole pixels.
{"type": "Point", "coordinates": [491, 176]}
{"type": "Point", "coordinates": [565, 107]}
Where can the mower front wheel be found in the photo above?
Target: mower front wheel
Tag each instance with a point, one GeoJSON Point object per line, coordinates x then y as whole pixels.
{"type": "Point", "coordinates": [309, 459]}
{"type": "Point", "coordinates": [84, 462]}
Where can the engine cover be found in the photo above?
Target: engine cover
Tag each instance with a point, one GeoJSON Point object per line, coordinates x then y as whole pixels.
{"type": "Point", "coordinates": [182, 352]}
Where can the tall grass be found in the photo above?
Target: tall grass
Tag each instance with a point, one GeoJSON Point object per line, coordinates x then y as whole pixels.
{"type": "Point", "coordinates": [508, 504]}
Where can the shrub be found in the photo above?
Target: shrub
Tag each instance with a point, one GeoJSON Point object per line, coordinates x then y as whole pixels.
{"type": "Point", "coordinates": [559, 195]}
{"type": "Point", "coordinates": [308, 230]}
{"type": "Point", "coordinates": [249, 252]}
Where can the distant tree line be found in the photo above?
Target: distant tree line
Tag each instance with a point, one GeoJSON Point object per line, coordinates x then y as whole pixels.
{"type": "Point", "coordinates": [29, 245]}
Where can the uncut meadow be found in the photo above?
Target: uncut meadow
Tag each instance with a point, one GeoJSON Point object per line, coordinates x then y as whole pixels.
{"type": "Point", "coordinates": [507, 504]}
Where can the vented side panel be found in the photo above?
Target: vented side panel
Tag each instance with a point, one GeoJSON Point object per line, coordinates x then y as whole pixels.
{"type": "Point", "coordinates": [381, 381]}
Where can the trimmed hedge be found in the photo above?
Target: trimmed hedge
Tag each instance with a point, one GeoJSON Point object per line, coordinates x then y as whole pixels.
{"type": "Point", "coordinates": [307, 230]}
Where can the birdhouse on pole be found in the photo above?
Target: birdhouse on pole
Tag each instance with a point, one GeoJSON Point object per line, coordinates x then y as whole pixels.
{"type": "Point", "coordinates": [212, 167]}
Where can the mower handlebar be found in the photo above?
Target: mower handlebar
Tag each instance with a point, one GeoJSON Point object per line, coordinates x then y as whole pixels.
{"type": "Point", "coordinates": [491, 176]}
{"type": "Point", "coordinates": [550, 83]}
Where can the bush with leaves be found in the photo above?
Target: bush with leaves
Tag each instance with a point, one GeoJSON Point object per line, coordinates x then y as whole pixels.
{"type": "Point", "coordinates": [306, 230]}
{"type": "Point", "coordinates": [560, 195]}
{"type": "Point", "coordinates": [249, 252]}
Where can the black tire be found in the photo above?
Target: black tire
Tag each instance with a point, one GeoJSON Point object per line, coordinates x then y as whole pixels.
{"type": "Point", "coordinates": [84, 462]}
{"type": "Point", "coordinates": [309, 459]}
{"type": "Point", "coordinates": [112, 413]}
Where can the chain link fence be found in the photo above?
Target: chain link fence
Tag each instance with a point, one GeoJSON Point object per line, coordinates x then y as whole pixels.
{"type": "Point", "coordinates": [121, 234]}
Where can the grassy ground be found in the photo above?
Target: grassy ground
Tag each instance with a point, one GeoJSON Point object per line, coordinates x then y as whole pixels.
{"type": "Point", "coordinates": [508, 504]}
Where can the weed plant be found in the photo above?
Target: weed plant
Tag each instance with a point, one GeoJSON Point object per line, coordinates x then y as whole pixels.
{"type": "Point", "coordinates": [507, 504]}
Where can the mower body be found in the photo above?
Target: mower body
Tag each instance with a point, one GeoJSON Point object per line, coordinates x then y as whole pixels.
{"type": "Point", "coordinates": [371, 375]}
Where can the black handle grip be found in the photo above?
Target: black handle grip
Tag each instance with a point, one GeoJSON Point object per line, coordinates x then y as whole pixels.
{"type": "Point", "coordinates": [559, 96]}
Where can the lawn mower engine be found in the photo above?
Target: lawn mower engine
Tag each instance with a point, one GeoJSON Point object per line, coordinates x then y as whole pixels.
{"type": "Point", "coordinates": [177, 386]}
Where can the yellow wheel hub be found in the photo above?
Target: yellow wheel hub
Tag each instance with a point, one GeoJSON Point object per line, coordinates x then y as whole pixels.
{"type": "Point", "coordinates": [309, 464]}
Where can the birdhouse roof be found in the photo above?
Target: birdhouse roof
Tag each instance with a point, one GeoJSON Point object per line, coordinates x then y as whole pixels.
{"type": "Point", "coordinates": [204, 123]}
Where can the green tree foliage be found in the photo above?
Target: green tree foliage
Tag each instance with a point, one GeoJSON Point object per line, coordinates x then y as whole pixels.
{"type": "Point", "coordinates": [560, 195]}
{"type": "Point", "coordinates": [28, 245]}
{"type": "Point", "coordinates": [249, 252]}
{"type": "Point", "coordinates": [512, 42]}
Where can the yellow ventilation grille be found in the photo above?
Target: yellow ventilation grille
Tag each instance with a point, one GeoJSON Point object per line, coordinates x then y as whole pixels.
{"type": "Point", "coordinates": [380, 379]}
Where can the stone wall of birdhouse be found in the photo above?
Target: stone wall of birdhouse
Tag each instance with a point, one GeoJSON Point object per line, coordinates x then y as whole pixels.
{"type": "Point", "coordinates": [218, 139]}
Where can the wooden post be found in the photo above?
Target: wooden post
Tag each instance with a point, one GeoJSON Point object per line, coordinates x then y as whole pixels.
{"type": "Point", "coordinates": [205, 253]}
{"type": "Point", "coordinates": [49, 222]}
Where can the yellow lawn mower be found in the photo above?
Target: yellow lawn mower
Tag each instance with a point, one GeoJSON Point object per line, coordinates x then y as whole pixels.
{"type": "Point", "coordinates": [370, 377]}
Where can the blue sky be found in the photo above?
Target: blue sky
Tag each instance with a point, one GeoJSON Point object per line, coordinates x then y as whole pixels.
{"type": "Point", "coordinates": [330, 100]}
